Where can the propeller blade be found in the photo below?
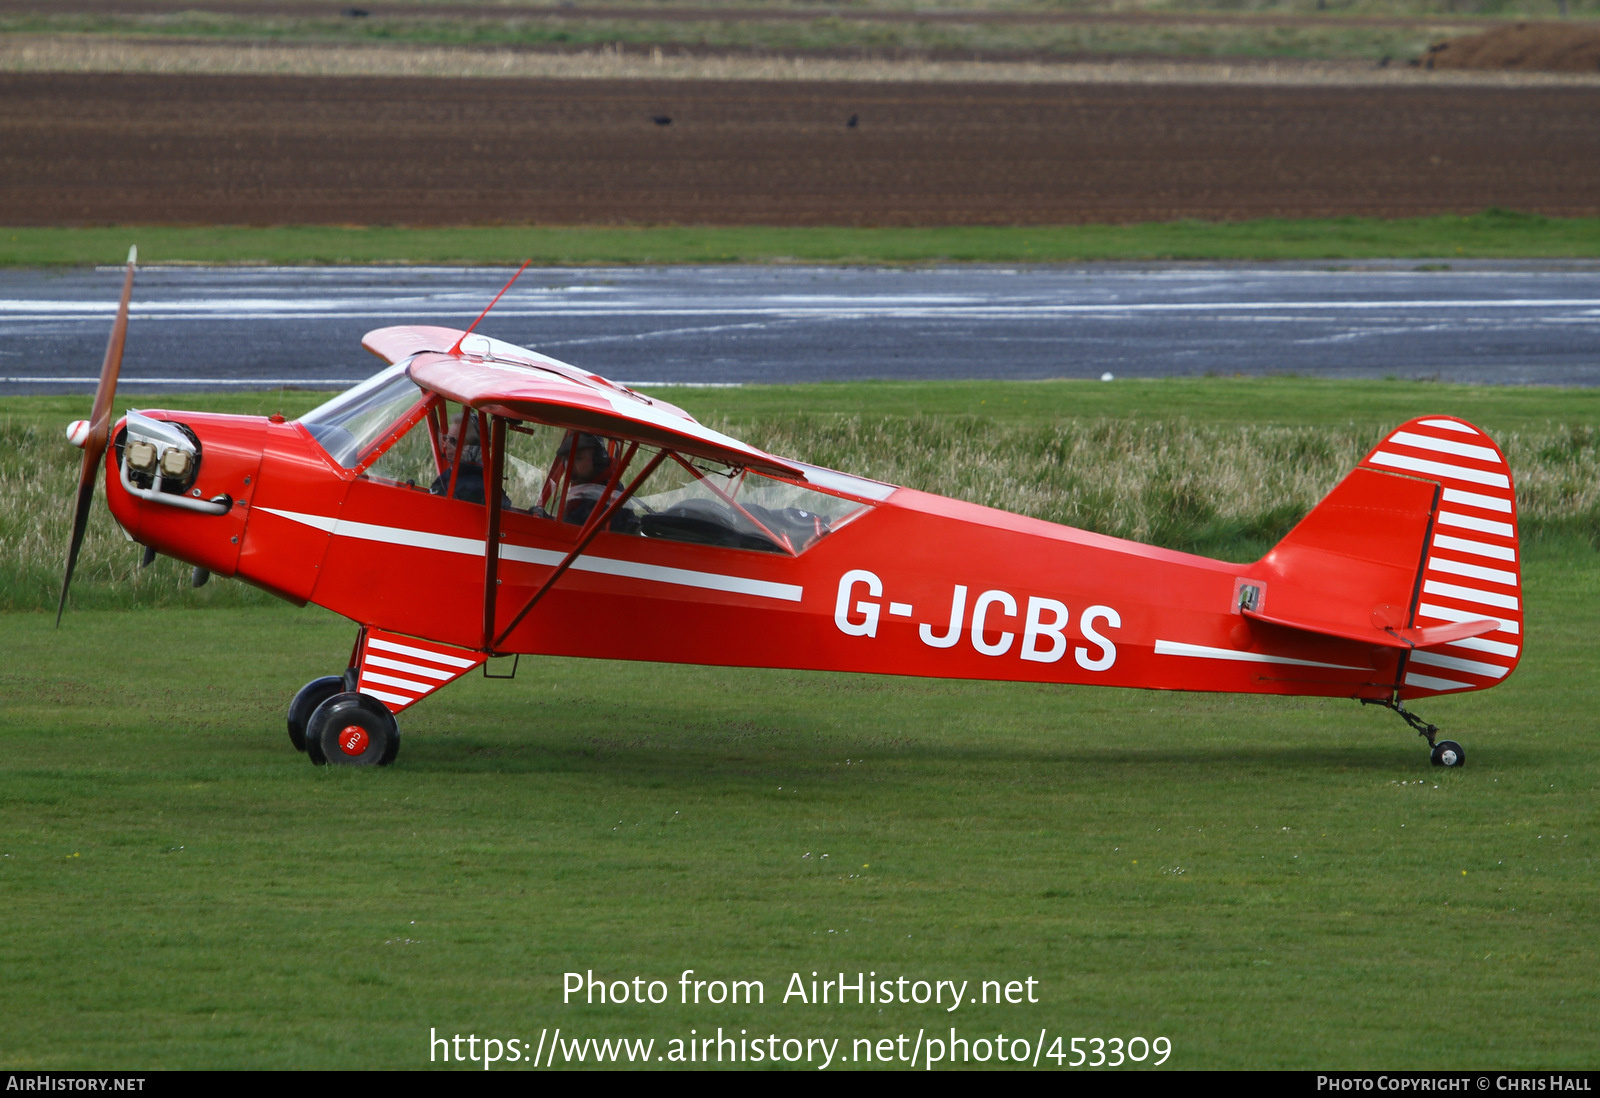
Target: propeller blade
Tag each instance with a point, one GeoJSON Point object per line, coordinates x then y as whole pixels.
{"type": "Point", "coordinates": [99, 429]}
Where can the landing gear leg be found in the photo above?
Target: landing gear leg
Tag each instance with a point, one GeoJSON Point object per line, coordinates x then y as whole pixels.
{"type": "Point", "coordinates": [1444, 752]}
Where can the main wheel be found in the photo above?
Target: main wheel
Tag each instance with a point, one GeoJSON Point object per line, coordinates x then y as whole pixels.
{"type": "Point", "coordinates": [353, 730]}
{"type": "Point", "coordinates": [1448, 753]}
{"type": "Point", "coordinates": [311, 695]}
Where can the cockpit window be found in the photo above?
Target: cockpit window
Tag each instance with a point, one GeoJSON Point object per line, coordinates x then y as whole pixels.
{"type": "Point", "coordinates": [347, 425]}
{"type": "Point", "coordinates": [689, 499]}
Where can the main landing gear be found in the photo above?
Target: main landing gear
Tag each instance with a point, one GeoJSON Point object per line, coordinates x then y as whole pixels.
{"type": "Point", "coordinates": [332, 723]}
{"type": "Point", "coordinates": [1444, 752]}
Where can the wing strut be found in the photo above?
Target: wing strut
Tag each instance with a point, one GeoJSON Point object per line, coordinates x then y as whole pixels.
{"type": "Point", "coordinates": [598, 519]}
{"type": "Point", "coordinates": [494, 474]}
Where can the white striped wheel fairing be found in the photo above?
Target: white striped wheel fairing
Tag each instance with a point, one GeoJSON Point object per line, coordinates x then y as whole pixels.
{"type": "Point", "coordinates": [1471, 570]}
{"type": "Point", "coordinates": [401, 671]}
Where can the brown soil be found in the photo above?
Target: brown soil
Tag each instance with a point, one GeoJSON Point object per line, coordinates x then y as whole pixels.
{"type": "Point", "coordinates": [98, 148]}
{"type": "Point", "coordinates": [1526, 47]}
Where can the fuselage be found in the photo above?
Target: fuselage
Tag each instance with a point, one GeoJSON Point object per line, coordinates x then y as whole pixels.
{"type": "Point", "coordinates": [911, 583]}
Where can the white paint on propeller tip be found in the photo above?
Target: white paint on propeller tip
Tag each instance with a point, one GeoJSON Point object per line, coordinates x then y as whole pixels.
{"type": "Point", "coordinates": [1108, 376]}
{"type": "Point", "coordinates": [78, 433]}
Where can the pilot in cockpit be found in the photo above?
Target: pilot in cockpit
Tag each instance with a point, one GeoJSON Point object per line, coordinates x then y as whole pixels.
{"type": "Point", "coordinates": [469, 480]}
{"type": "Point", "coordinates": [589, 471]}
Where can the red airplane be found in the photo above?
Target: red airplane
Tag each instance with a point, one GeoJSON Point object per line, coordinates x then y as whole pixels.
{"type": "Point", "coordinates": [478, 499]}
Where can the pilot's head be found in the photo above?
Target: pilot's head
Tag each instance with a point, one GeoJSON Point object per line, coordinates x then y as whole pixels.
{"type": "Point", "coordinates": [471, 450]}
{"type": "Point", "coordinates": [591, 461]}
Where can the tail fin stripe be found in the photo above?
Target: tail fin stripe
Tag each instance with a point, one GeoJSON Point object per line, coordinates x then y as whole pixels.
{"type": "Point", "coordinates": [1441, 469]}
{"type": "Point", "coordinates": [1470, 594]}
{"type": "Point", "coordinates": [1450, 425]}
{"type": "Point", "coordinates": [1428, 682]}
{"type": "Point", "coordinates": [1447, 613]}
{"type": "Point", "coordinates": [1483, 526]}
{"type": "Point", "coordinates": [1446, 446]}
{"type": "Point", "coordinates": [1473, 499]}
{"type": "Point", "coordinates": [1476, 548]}
{"type": "Point", "coordinates": [1456, 663]}
{"type": "Point", "coordinates": [1472, 571]}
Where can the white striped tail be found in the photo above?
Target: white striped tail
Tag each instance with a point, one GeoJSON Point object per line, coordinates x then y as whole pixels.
{"type": "Point", "coordinates": [401, 671]}
{"type": "Point", "coordinates": [1471, 567]}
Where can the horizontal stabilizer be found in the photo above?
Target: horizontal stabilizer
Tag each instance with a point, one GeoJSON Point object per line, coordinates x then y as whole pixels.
{"type": "Point", "coordinates": [1388, 637]}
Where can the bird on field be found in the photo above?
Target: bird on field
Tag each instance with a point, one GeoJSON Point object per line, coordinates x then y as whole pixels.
{"type": "Point", "coordinates": [661, 119]}
{"type": "Point", "coordinates": [854, 118]}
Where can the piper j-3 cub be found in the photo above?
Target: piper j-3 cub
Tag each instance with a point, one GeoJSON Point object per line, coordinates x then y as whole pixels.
{"type": "Point", "coordinates": [478, 499]}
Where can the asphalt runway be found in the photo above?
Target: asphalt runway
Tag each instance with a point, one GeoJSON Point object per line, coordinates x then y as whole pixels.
{"type": "Point", "coordinates": [197, 328]}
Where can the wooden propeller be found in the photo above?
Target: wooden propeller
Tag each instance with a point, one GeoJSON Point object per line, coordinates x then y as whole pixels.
{"type": "Point", "coordinates": [99, 429]}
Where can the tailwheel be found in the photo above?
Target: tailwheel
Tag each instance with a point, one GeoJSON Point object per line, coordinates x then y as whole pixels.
{"type": "Point", "coordinates": [305, 703]}
{"type": "Point", "coordinates": [351, 729]}
{"type": "Point", "coordinates": [1443, 752]}
{"type": "Point", "coordinates": [1448, 753]}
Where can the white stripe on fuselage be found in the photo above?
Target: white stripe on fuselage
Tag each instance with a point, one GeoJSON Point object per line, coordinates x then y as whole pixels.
{"type": "Point", "coordinates": [607, 566]}
{"type": "Point", "coordinates": [1200, 651]}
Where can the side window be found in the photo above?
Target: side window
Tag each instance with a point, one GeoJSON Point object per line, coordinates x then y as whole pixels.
{"type": "Point", "coordinates": [532, 467]}
{"type": "Point", "coordinates": [413, 459]}
{"type": "Point", "coordinates": [697, 501]}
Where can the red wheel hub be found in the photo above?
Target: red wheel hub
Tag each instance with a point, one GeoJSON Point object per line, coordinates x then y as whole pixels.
{"type": "Point", "coordinates": [353, 739]}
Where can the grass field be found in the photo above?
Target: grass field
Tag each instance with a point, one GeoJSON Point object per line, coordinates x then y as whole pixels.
{"type": "Point", "coordinates": [1267, 883]}
{"type": "Point", "coordinates": [824, 35]}
{"type": "Point", "coordinates": [1491, 234]}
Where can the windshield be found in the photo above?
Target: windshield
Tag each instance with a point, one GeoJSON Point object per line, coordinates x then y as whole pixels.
{"type": "Point", "coordinates": [347, 425]}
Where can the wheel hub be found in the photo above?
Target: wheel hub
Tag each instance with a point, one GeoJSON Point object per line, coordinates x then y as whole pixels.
{"type": "Point", "coordinates": [353, 739]}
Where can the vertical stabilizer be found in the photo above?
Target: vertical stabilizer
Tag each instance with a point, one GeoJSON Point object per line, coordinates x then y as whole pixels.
{"type": "Point", "coordinates": [1416, 549]}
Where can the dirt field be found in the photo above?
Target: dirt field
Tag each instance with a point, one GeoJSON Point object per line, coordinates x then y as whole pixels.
{"type": "Point", "coordinates": [1526, 47]}
{"type": "Point", "coordinates": [96, 148]}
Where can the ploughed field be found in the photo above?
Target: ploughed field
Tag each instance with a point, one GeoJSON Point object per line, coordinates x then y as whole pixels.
{"type": "Point", "coordinates": [83, 149]}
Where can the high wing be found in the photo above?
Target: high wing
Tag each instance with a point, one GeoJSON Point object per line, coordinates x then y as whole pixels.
{"type": "Point", "coordinates": [509, 381]}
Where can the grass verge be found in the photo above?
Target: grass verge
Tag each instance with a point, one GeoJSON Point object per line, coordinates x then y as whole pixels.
{"type": "Point", "coordinates": [1490, 234]}
{"type": "Point", "coordinates": [824, 35]}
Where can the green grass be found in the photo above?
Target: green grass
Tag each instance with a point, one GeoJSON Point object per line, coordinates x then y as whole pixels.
{"type": "Point", "coordinates": [1491, 234]}
{"type": "Point", "coordinates": [825, 35]}
{"type": "Point", "coordinates": [1267, 882]}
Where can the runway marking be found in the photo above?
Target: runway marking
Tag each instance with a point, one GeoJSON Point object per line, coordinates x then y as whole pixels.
{"type": "Point", "coordinates": [314, 382]}
{"type": "Point", "coordinates": [14, 309]}
{"type": "Point", "coordinates": [283, 382]}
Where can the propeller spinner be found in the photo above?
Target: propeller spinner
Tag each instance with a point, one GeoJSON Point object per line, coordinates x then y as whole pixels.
{"type": "Point", "coordinates": [93, 434]}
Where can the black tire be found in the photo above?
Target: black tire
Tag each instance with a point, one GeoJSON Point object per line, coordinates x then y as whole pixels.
{"type": "Point", "coordinates": [353, 730]}
{"type": "Point", "coordinates": [1448, 753]}
{"type": "Point", "coordinates": [311, 695]}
